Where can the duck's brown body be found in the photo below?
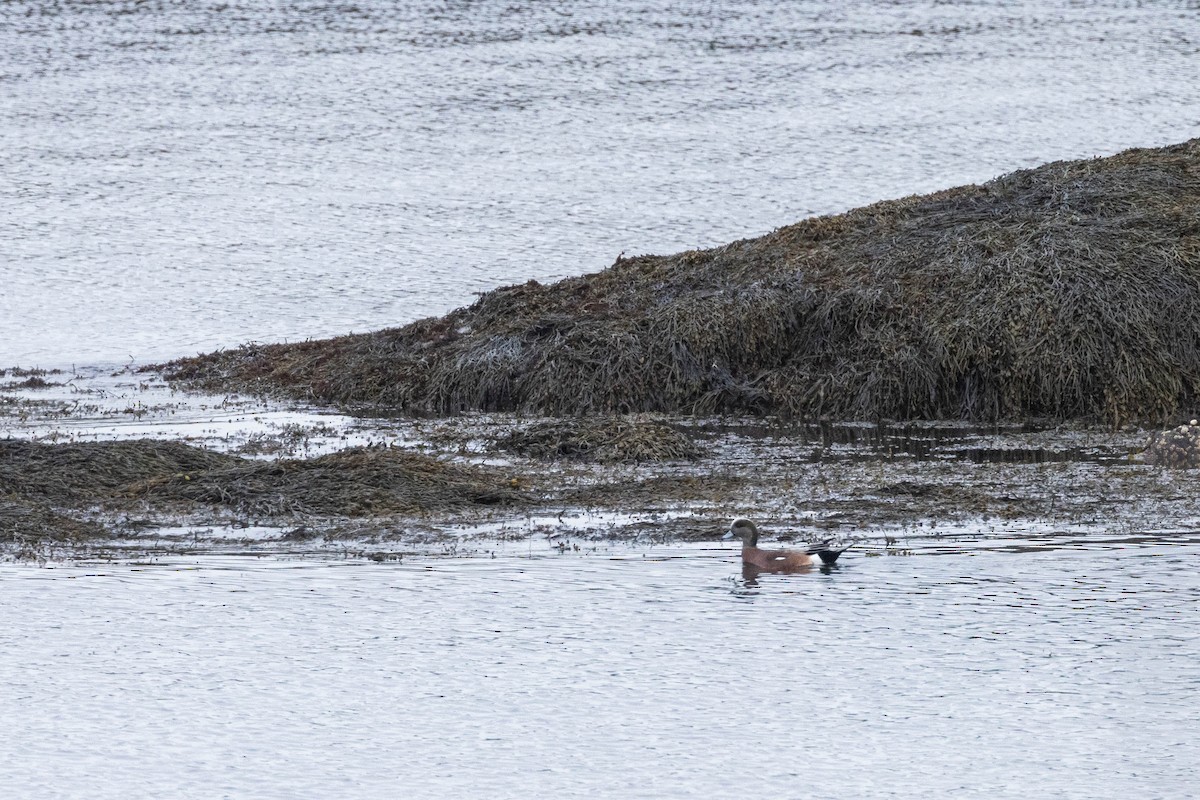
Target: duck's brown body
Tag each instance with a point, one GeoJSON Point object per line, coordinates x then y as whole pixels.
{"type": "Point", "coordinates": [777, 560]}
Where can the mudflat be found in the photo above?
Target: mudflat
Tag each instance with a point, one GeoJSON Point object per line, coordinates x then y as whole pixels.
{"type": "Point", "coordinates": [118, 463]}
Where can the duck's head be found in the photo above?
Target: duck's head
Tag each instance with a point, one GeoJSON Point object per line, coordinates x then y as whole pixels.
{"type": "Point", "coordinates": [745, 530]}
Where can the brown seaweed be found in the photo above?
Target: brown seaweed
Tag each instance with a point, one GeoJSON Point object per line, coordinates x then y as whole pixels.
{"type": "Point", "coordinates": [1069, 291]}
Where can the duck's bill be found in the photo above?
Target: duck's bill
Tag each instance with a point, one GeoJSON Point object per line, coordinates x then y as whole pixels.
{"type": "Point", "coordinates": [728, 535]}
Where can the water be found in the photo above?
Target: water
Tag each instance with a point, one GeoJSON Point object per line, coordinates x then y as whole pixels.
{"type": "Point", "coordinates": [183, 176]}
{"type": "Point", "coordinates": [1069, 673]}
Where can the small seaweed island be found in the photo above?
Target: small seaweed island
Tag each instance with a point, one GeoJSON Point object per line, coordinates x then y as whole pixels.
{"type": "Point", "coordinates": [989, 360]}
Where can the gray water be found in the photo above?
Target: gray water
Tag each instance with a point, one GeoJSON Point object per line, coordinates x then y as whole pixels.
{"type": "Point", "coordinates": [1069, 673]}
{"type": "Point", "coordinates": [181, 176]}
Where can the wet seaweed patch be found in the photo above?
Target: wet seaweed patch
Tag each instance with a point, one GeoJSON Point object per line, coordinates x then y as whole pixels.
{"type": "Point", "coordinates": [32, 382]}
{"type": "Point", "coordinates": [19, 372]}
{"type": "Point", "coordinates": [1011, 444]}
{"type": "Point", "coordinates": [1014, 455]}
{"type": "Point", "coordinates": [1069, 291]}
{"type": "Point", "coordinates": [34, 524]}
{"type": "Point", "coordinates": [359, 482]}
{"type": "Point", "coordinates": [602, 439]}
{"type": "Point", "coordinates": [26, 408]}
{"type": "Point", "coordinates": [95, 471]}
{"type": "Point", "coordinates": [1178, 447]}
{"type": "Point", "coordinates": [287, 440]}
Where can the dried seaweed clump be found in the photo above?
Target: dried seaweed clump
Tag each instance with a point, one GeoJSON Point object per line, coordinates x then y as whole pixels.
{"type": "Point", "coordinates": [359, 482]}
{"type": "Point", "coordinates": [608, 440]}
{"type": "Point", "coordinates": [1069, 291]}
{"type": "Point", "coordinates": [1178, 447]}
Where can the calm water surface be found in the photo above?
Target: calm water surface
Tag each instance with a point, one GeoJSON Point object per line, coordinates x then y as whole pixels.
{"type": "Point", "coordinates": [1068, 673]}
{"type": "Point", "coordinates": [180, 176]}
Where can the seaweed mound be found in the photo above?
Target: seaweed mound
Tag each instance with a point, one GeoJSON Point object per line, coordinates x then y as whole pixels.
{"type": "Point", "coordinates": [92, 471]}
{"type": "Point", "coordinates": [1067, 291]}
{"type": "Point", "coordinates": [354, 483]}
{"type": "Point", "coordinates": [359, 482]}
{"type": "Point", "coordinates": [607, 440]}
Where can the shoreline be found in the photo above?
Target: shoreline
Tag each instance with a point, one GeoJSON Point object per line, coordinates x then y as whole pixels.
{"type": "Point", "coordinates": [886, 488]}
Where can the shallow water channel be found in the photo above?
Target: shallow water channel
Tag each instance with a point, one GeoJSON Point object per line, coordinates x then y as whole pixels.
{"type": "Point", "coordinates": [1067, 670]}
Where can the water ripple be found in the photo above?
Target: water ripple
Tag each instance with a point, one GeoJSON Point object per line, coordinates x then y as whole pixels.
{"type": "Point", "coordinates": [630, 676]}
{"type": "Point", "coordinates": [184, 176]}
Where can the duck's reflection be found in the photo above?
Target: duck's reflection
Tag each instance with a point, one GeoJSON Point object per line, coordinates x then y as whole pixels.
{"type": "Point", "coordinates": [751, 573]}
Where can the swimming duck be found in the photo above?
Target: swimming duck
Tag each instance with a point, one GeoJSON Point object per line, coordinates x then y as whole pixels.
{"type": "Point", "coordinates": [779, 560]}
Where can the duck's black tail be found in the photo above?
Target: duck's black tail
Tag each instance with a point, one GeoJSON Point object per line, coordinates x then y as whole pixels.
{"type": "Point", "coordinates": [828, 551]}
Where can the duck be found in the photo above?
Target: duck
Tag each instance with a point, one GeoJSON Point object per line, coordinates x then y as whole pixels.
{"type": "Point", "coordinates": [779, 560]}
